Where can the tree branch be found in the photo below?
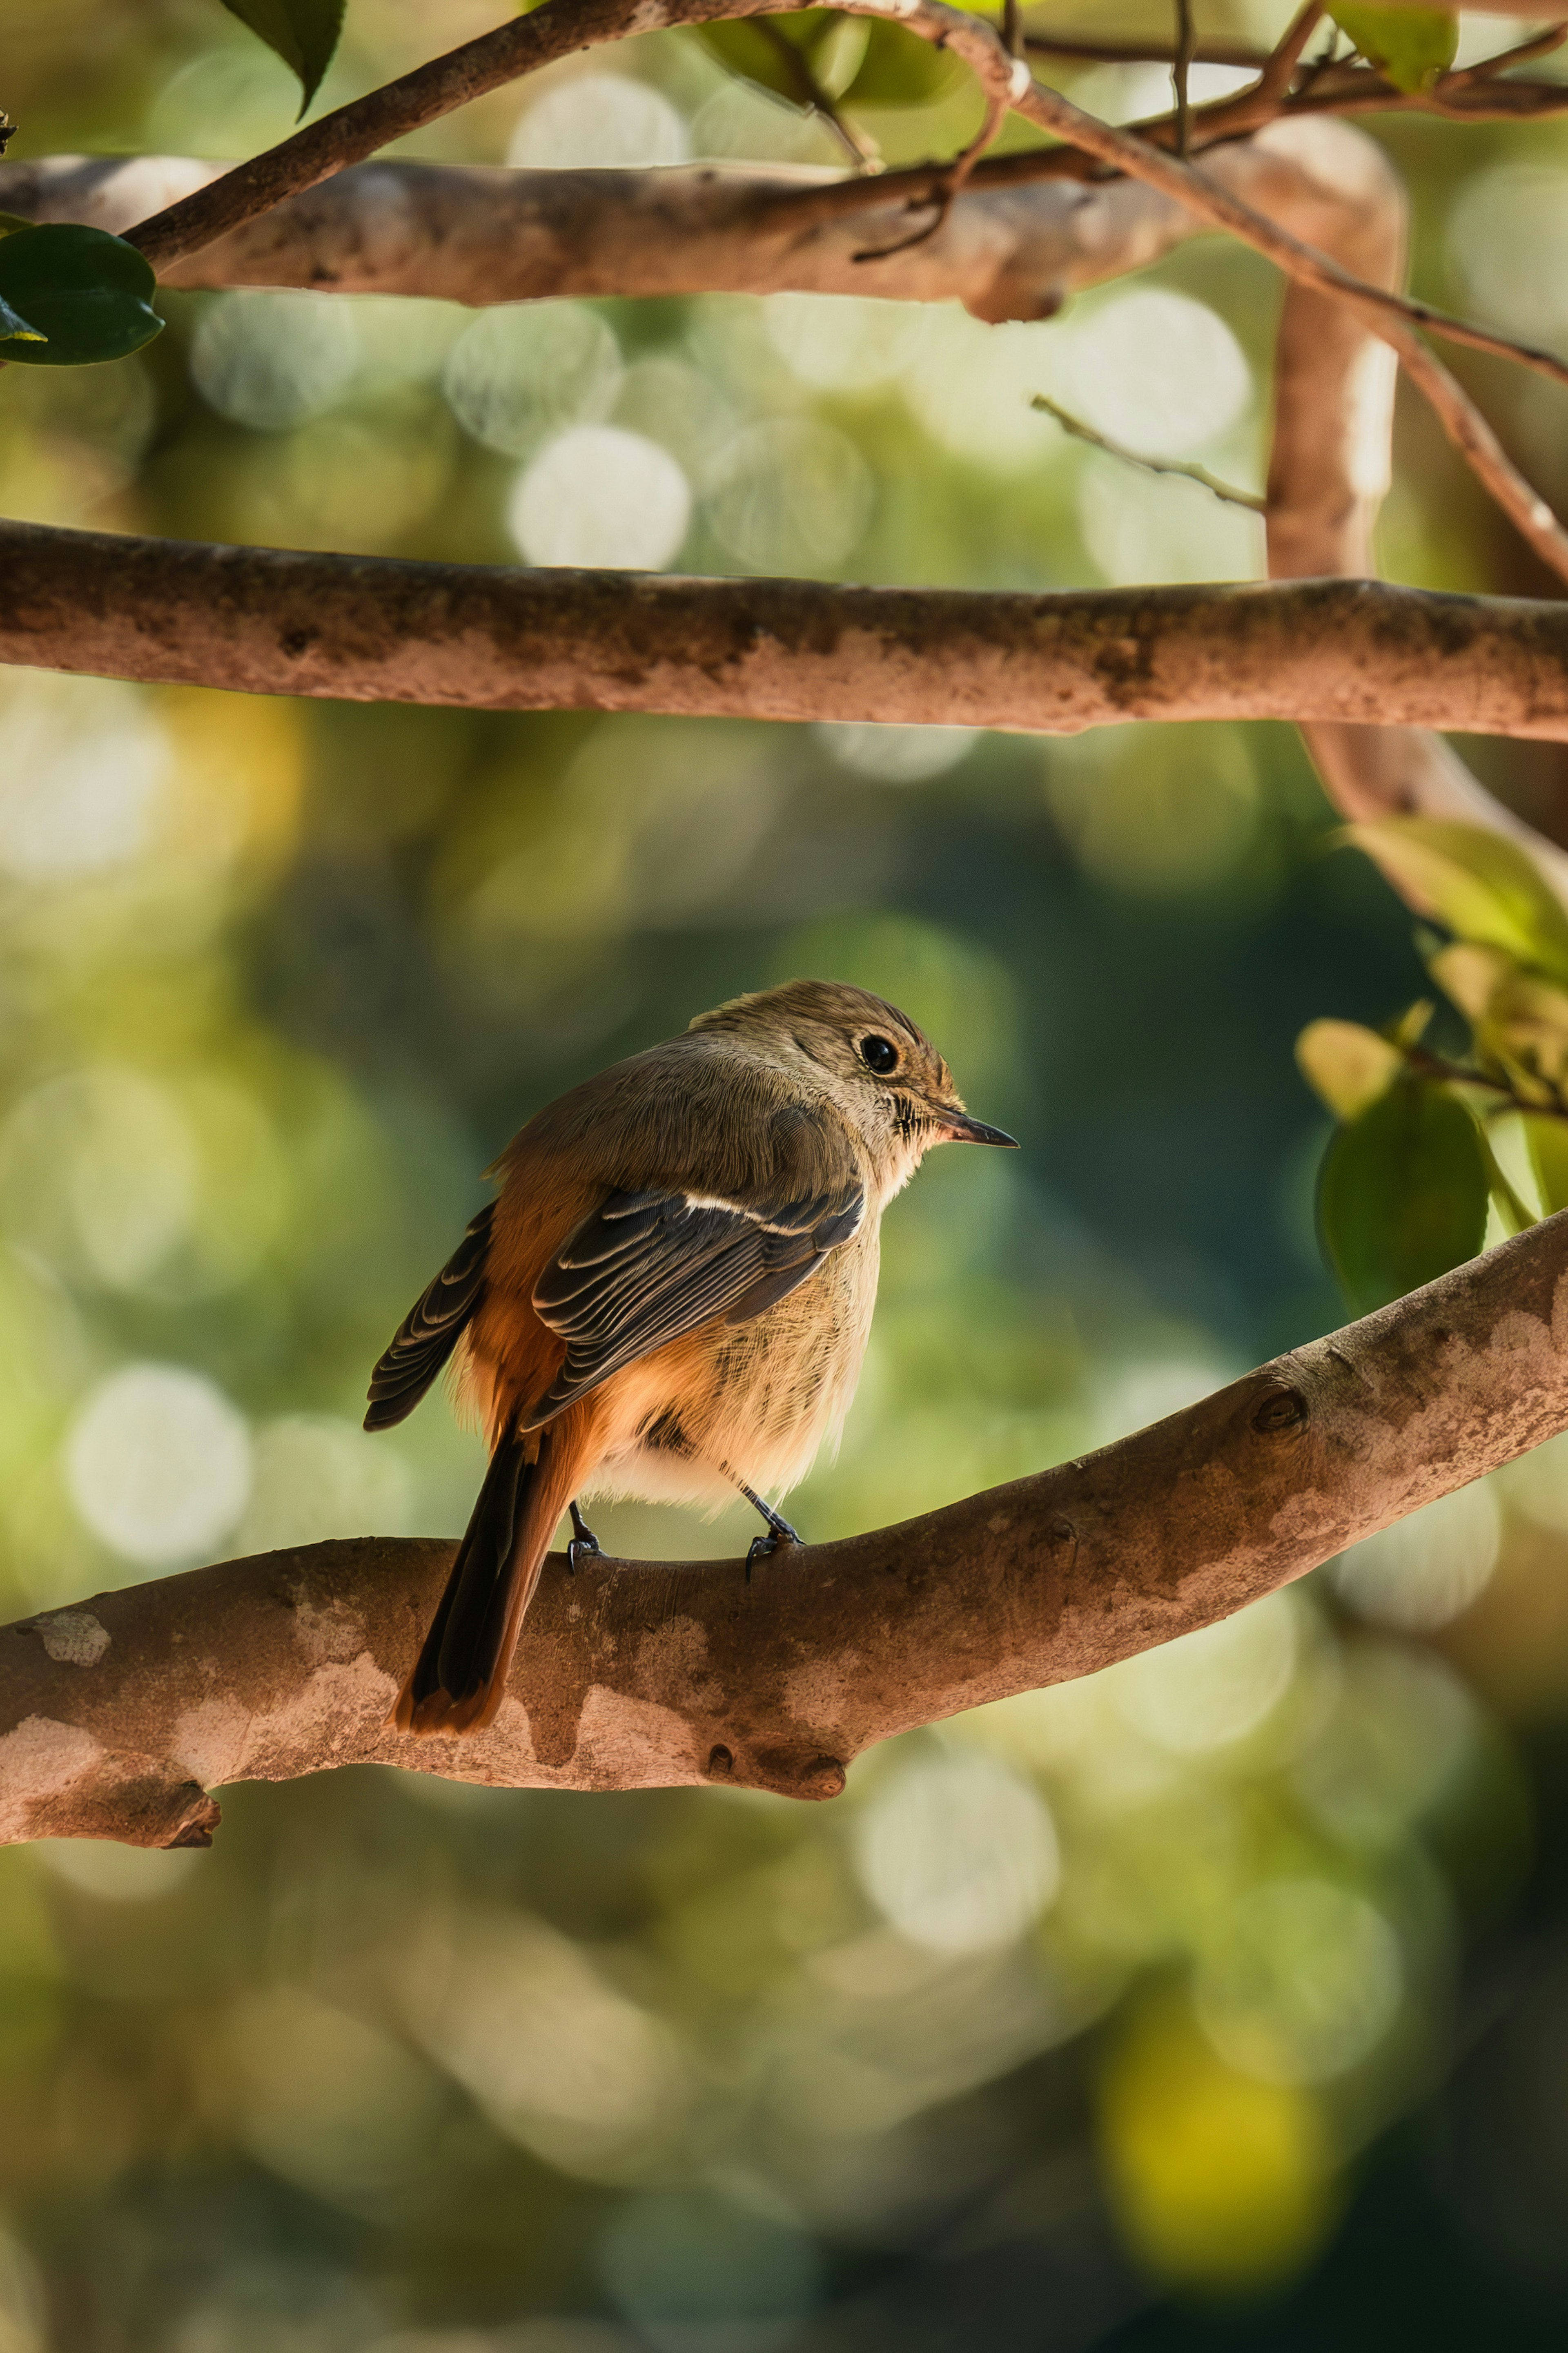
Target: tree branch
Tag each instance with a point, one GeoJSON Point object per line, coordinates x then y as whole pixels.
{"type": "Point", "coordinates": [358, 629]}
{"type": "Point", "coordinates": [117, 1716]}
{"type": "Point", "coordinates": [1330, 465]}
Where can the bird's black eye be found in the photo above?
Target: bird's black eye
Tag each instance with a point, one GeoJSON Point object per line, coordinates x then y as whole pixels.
{"type": "Point", "coordinates": [879, 1054]}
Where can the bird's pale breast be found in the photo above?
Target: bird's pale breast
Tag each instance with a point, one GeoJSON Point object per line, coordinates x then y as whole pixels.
{"type": "Point", "coordinates": [756, 1400]}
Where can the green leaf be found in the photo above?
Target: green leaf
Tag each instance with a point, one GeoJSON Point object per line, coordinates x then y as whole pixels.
{"type": "Point", "coordinates": [303, 33]}
{"type": "Point", "coordinates": [9, 222]}
{"type": "Point", "coordinates": [809, 53]}
{"type": "Point", "coordinates": [1548, 1142]}
{"type": "Point", "coordinates": [900, 70]}
{"type": "Point", "coordinates": [1409, 46]}
{"type": "Point", "coordinates": [1347, 1066]}
{"type": "Point", "coordinates": [87, 293]}
{"type": "Point", "coordinates": [1482, 885]}
{"type": "Point", "coordinates": [1471, 977]}
{"type": "Point", "coordinates": [15, 329]}
{"type": "Point", "coordinates": [1402, 1194]}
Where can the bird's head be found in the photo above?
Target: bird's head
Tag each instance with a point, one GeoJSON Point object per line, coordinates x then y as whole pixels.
{"type": "Point", "coordinates": [883, 1073]}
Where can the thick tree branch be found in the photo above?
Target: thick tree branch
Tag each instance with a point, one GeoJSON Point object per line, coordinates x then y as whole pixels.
{"type": "Point", "coordinates": [468, 235]}
{"type": "Point", "coordinates": [353, 132]}
{"type": "Point", "coordinates": [119, 1714]}
{"type": "Point", "coordinates": [358, 629]}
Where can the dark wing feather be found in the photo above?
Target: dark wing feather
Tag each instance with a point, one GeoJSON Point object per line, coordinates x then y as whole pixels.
{"type": "Point", "coordinates": [645, 1267]}
{"type": "Point", "coordinates": [430, 1330]}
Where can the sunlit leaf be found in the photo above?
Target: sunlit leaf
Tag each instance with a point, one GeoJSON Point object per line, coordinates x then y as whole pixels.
{"type": "Point", "coordinates": [1403, 1194]}
{"type": "Point", "coordinates": [1548, 1141]}
{"type": "Point", "coordinates": [1347, 1066]}
{"type": "Point", "coordinates": [900, 70]}
{"type": "Point", "coordinates": [1409, 46]}
{"type": "Point", "coordinates": [1411, 1026]}
{"type": "Point", "coordinates": [1482, 886]}
{"type": "Point", "coordinates": [810, 53]}
{"type": "Point", "coordinates": [303, 33]}
{"type": "Point", "coordinates": [1471, 977]}
{"type": "Point", "coordinates": [821, 51]}
{"type": "Point", "coordinates": [87, 293]}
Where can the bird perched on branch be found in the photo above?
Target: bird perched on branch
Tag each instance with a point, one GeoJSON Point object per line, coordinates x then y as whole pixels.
{"type": "Point", "coordinates": [670, 1296]}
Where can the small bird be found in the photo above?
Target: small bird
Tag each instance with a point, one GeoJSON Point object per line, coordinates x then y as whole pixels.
{"type": "Point", "coordinates": [670, 1296]}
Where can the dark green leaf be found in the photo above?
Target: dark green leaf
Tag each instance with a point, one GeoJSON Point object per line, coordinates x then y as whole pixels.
{"type": "Point", "coordinates": [13, 328]}
{"type": "Point", "coordinates": [1402, 1194]}
{"type": "Point", "coordinates": [1409, 46]}
{"type": "Point", "coordinates": [303, 33]}
{"type": "Point", "coordinates": [89, 293]}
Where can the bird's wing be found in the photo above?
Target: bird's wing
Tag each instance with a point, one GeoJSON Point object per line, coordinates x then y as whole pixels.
{"type": "Point", "coordinates": [430, 1330]}
{"type": "Point", "coordinates": [645, 1267]}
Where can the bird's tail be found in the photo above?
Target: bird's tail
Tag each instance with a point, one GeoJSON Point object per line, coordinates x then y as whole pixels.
{"type": "Point", "coordinates": [459, 1677]}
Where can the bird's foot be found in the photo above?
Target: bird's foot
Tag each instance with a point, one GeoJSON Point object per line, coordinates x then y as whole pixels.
{"type": "Point", "coordinates": [763, 1547]}
{"type": "Point", "coordinates": [585, 1543]}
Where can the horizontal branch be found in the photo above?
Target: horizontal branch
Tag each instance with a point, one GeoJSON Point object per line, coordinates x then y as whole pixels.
{"type": "Point", "coordinates": [362, 629]}
{"type": "Point", "coordinates": [467, 234]}
{"type": "Point", "coordinates": [119, 1714]}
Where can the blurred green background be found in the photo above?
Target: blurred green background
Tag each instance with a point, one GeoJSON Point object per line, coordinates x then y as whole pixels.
{"type": "Point", "coordinates": [1223, 1999]}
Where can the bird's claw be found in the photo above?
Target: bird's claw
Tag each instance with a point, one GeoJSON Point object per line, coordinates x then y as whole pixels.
{"type": "Point", "coordinates": [764, 1547]}
{"type": "Point", "coordinates": [585, 1543]}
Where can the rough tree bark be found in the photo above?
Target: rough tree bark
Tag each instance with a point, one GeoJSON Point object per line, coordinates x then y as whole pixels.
{"type": "Point", "coordinates": [366, 629]}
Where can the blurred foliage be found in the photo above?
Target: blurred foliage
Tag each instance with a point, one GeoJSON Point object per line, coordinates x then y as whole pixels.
{"type": "Point", "coordinates": [1220, 1997]}
{"type": "Point", "coordinates": [1426, 1141]}
{"type": "Point", "coordinates": [1411, 46]}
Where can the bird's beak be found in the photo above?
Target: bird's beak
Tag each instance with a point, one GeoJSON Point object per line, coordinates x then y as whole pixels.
{"type": "Point", "coordinates": [957, 1127]}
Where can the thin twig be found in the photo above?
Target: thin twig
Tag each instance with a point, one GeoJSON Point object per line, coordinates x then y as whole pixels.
{"type": "Point", "coordinates": [1473, 436]}
{"type": "Point", "coordinates": [1274, 83]}
{"type": "Point", "coordinates": [1186, 41]}
{"type": "Point", "coordinates": [1185, 467]}
{"type": "Point", "coordinates": [1485, 69]}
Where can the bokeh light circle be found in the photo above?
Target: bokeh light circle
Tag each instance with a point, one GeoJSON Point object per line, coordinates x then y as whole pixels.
{"type": "Point", "coordinates": [271, 357]}
{"type": "Point", "coordinates": [958, 1854]}
{"type": "Point", "coordinates": [86, 766]}
{"type": "Point", "coordinates": [791, 495]}
{"type": "Point", "coordinates": [158, 1463]}
{"type": "Point", "coordinates": [1424, 1570]}
{"type": "Point", "coordinates": [1155, 370]}
{"type": "Point", "coordinates": [1210, 1688]}
{"type": "Point", "coordinates": [600, 496]}
{"type": "Point", "coordinates": [525, 369]}
{"type": "Point", "coordinates": [605, 121]}
{"type": "Point", "coordinates": [1301, 1984]}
